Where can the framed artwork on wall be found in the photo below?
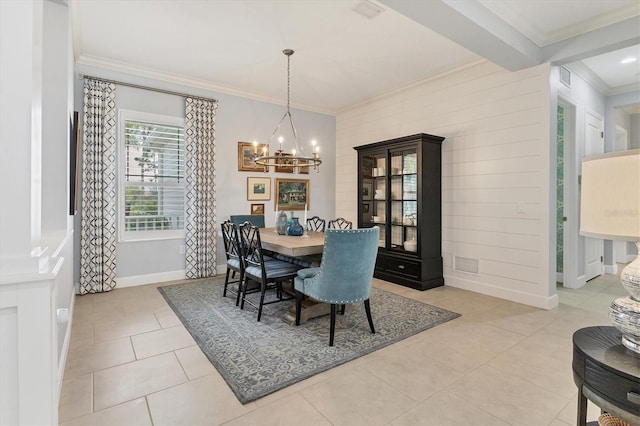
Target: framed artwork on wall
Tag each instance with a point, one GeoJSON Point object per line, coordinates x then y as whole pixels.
{"type": "Point", "coordinates": [246, 151]}
{"type": "Point", "coordinates": [257, 208]}
{"type": "Point", "coordinates": [284, 164]}
{"type": "Point", "coordinates": [258, 188]}
{"type": "Point", "coordinates": [292, 194]}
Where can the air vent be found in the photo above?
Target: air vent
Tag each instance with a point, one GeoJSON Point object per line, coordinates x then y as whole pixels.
{"type": "Point", "coordinates": [368, 9]}
{"type": "Point", "coordinates": [465, 264]}
{"type": "Point", "coordinates": [565, 76]}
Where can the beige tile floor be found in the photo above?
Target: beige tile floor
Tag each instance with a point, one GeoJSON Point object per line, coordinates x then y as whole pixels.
{"type": "Point", "coordinates": [131, 362]}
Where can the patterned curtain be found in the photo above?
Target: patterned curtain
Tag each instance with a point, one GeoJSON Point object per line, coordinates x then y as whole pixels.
{"type": "Point", "coordinates": [98, 216]}
{"type": "Point", "coordinates": [200, 191]}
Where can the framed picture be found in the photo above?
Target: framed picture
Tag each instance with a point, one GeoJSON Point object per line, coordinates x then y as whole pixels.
{"type": "Point", "coordinates": [75, 150]}
{"type": "Point", "coordinates": [258, 188]}
{"type": "Point", "coordinates": [292, 194]}
{"type": "Point", "coordinates": [284, 164]}
{"type": "Point", "coordinates": [303, 167]}
{"type": "Point", "coordinates": [246, 151]}
{"type": "Point", "coordinates": [257, 208]}
{"type": "Point", "coordinates": [366, 190]}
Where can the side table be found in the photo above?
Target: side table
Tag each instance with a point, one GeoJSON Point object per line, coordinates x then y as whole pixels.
{"type": "Point", "coordinates": [606, 373]}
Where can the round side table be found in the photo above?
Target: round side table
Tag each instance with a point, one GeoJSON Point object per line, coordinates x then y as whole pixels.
{"type": "Point", "coordinates": [606, 373]}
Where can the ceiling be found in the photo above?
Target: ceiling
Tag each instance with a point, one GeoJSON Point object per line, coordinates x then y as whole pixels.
{"type": "Point", "coordinates": [344, 58]}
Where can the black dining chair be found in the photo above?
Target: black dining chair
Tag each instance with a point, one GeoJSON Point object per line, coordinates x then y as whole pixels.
{"type": "Point", "coordinates": [269, 274]}
{"type": "Point", "coordinates": [340, 223]}
{"type": "Point", "coordinates": [235, 262]}
{"type": "Point", "coordinates": [316, 224]}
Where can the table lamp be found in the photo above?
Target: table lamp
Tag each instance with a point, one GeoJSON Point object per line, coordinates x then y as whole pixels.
{"type": "Point", "coordinates": [610, 209]}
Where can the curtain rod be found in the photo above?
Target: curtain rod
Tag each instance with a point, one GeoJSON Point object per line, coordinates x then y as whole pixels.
{"type": "Point", "coordinates": [152, 89]}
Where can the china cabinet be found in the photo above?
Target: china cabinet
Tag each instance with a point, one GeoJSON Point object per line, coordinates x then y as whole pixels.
{"type": "Point", "coordinates": [399, 190]}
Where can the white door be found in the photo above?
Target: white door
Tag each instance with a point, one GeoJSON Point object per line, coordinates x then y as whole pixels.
{"type": "Point", "coordinates": [593, 247]}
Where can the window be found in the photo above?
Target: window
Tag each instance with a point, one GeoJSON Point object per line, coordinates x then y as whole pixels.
{"type": "Point", "coordinates": [151, 190]}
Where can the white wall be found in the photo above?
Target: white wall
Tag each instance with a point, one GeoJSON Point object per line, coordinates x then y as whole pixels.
{"type": "Point", "coordinates": [634, 131]}
{"type": "Point", "coordinates": [238, 120]}
{"type": "Point", "coordinates": [496, 171]}
{"type": "Point", "coordinates": [36, 245]}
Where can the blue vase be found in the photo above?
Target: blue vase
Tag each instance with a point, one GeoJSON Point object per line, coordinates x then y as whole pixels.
{"type": "Point", "coordinates": [295, 229]}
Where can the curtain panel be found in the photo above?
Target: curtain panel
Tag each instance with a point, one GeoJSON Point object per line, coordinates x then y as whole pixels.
{"type": "Point", "coordinates": [98, 215]}
{"type": "Point", "coordinates": [200, 188]}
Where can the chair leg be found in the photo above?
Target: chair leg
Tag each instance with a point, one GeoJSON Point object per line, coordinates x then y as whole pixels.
{"type": "Point", "coordinates": [332, 328]}
{"type": "Point", "coordinates": [342, 307]}
{"type": "Point", "coordinates": [245, 284]}
{"type": "Point", "coordinates": [240, 285]}
{"type": "Point", "coordinates": [367, 308]}
{"type": "Point", "coordinates": [298, 306]}
{"type": "Point", "coordinates": [226, 283]}
{"type": "Point", "coordinates": [263, 290]}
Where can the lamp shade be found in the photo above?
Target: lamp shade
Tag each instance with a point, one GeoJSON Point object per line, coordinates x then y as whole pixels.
{"type": "Point", "coordinates": [610, 198]}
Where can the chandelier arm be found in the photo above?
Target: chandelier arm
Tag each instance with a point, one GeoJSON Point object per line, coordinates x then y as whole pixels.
{"type": "Point", "coordinates": [278, 126]}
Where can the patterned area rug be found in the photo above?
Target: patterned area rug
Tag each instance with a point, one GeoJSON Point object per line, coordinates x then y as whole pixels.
{"type": "Point", "coordinates": [258, 358]}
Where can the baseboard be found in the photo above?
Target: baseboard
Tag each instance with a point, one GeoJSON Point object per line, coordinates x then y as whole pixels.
{"type": "Point", "coordinates": [136, 280]}
{"type": "Point", "coordinates": [611, 269]}
{"type": "Point", "coordinates": [62, 362]}
{"type": "Point", "coordinates": [544, 302]}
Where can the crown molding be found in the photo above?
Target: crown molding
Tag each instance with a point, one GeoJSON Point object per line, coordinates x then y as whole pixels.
{"type": "Point", "coordinates": [144, 72]}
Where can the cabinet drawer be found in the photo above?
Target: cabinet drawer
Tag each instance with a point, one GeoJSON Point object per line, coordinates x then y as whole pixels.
{"type": "Point", "coordinates": [404, 267]}
{"type": "Point", "coordinates": [618, 390]}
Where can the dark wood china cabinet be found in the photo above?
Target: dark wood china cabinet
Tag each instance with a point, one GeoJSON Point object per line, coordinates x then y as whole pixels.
{"type": "Point", "coordinates": [399, 190]}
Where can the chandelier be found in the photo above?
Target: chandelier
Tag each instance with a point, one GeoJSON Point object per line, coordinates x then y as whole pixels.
{"type": "Point", "coordinates": [296, 159]}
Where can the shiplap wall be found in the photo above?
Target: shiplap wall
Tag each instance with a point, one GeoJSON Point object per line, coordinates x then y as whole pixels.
{"type": "Point", "coordinates": [496, 171]}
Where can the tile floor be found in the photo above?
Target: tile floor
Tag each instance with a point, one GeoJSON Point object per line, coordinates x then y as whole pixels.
{"type": "Point", "coordinates": [131, 362]}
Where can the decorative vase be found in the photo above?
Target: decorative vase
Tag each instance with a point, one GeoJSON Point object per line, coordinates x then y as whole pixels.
{"type": "Point", "coordinates": [295, 229]}
{"type": "Point", "coordinates": [281, 224]}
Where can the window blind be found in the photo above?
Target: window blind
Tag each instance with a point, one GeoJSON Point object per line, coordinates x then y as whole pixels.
{"type": "Point", "coordinates": [153, 176]}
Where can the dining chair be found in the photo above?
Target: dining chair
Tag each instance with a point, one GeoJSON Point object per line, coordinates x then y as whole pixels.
{"type": "Point", "coordinates": [345, 273]}
{"type": "Point", "coordinates": [254, 219]}
{"type": "Point", "coordinates": [235, 263]}
{"type": "Point", "coordinates": [340, 223]}
{"type": "Point", "coordinates": [316, 224]}
{"type": "Point", "coordinates": [269, 274]}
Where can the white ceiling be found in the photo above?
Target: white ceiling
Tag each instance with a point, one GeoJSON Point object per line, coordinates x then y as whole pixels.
{"type": "Point", "coordinates": [343, 58]}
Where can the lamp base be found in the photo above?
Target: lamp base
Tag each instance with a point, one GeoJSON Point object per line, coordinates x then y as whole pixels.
{"type": "Point", "coordinates": [624, 312]}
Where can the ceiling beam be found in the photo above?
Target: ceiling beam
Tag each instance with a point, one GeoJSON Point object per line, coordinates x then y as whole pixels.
{"type": "Point", "coordinates": [607, 39]}
{"type": "Point", "coordinates": [476, 28]}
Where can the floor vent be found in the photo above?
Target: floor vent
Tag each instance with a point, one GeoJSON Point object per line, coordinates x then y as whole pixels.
{"type": "Point", "coordinates": [465, 264]}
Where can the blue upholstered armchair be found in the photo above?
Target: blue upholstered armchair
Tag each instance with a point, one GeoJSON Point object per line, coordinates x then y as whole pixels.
{"type": "Point", "coordinates": [344, 275]}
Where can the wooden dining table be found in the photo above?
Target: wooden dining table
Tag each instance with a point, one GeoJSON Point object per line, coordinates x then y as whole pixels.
{"type": "Point", "coordinates": [308, 244]}
{"type": "Point", "coordinates": [311, 243]}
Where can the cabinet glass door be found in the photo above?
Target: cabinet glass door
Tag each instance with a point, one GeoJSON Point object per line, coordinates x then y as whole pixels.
{"type": "Point", "coordinates": [404, 200]}
{"type": "Point", "coordinates": [374, 190]}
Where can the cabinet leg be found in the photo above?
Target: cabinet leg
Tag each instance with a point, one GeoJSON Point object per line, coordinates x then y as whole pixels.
{"type": "Point", "coordinates": [582, 408]}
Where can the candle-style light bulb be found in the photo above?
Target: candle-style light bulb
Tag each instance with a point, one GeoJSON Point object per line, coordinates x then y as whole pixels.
{"type": "Point", "coordinates": [255, 147]}
{"type": "Point", "coordinates": [293, 151]}
{"type": "Point", "coordinates": [280, 140]}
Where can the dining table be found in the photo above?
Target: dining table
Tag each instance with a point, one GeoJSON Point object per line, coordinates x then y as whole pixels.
{"type": "Point", "coordinates": [310, 244]}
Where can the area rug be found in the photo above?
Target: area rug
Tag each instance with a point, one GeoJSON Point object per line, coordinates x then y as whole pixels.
{"type": "Point", "coordinates": [258, 358]}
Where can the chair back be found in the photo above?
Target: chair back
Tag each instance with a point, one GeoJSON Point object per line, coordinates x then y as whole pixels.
{"type": "Point", "coordinates": [340, 223]}
{"type": "Point", "coordinates": [231, 242]}
{"type": "Point", "coordinates": [316, 224]}
{"type": "Point", "coordinates": [254, 219]}
{"type": "Point", "coordinates": [346, 271]}
{"type": "Point", "coordinates": [251, 246]}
